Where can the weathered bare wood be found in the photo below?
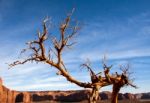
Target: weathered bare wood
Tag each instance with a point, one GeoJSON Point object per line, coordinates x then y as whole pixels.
{"type": "Point", "coordinates": [39, 54]}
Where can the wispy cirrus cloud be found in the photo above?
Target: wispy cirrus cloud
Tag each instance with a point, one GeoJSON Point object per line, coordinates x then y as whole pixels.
{"type": "Point", "coordinates": [46, 86]}
{"type": "Point", "coordinates": [95, 55]}
{"type": "Point", "coordinates": [121, 39]}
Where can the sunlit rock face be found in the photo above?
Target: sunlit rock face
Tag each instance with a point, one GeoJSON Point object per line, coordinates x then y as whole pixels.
{"type": "Point", "coordinates": [11, 96]}
{"type": "Point", "coordinates": [6, 95]}
{"type": "Point", "coordinates": [1, 91]}
{"type": "Point", "coordinates": [60, 96]}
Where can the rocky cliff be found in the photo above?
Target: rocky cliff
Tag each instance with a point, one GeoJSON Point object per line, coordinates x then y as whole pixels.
{"type": "Point", "coordinates": [11, 96]}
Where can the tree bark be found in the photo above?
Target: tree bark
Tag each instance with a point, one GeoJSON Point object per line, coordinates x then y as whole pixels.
{"type": "Point", "coordinates": [94, 94]}
{"type": "Point", "coordinates": [114, 97]}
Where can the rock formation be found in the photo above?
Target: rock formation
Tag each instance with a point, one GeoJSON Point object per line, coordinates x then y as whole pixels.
{"type": "Point", "coordinates": [11, 96]}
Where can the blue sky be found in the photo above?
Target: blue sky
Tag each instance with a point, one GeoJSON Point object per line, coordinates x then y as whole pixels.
{"type": "Point", "coordinates": [120, 29]}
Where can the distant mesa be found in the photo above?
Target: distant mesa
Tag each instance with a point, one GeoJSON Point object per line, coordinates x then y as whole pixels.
{"type": "Point", "coordinates": [12, 96]}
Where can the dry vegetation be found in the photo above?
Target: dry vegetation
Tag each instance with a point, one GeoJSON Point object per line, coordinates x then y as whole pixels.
{"type": "Point", "coordinates": [40, 53]}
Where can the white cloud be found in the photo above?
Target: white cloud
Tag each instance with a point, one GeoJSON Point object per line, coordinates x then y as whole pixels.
{"type": "Point", "coordinates": [46, 86]}
{"type": "Point", "coordinates": [41, 86]}
{"type": "Point", "coordinates": [96, 56]}
{"type": "Point", "coordinates": [93, 45]}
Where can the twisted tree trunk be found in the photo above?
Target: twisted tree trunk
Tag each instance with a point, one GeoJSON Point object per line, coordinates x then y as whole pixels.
{"type": "Point", "coordinates": [94, 94]}
{"type": "Point", "coordinates": [114, 97]}
{"type": "Point", "coordinates": [39, 52]}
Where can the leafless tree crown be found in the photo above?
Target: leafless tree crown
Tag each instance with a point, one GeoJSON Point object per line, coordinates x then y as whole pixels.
{"type": "Point", "coordinates": [39, 53]}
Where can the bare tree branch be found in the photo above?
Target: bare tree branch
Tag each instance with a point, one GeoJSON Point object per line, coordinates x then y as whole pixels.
{"type": "Point", "coordinates": [40, 53]}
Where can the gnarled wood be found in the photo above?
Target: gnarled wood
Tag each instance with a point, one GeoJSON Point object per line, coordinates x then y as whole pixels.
{"type": "Point", "coordinates": [94, 94]}
{"type": "Point", "coordinates": [115, 91]}
{"type": "Point", "coordinates": [42, 54]}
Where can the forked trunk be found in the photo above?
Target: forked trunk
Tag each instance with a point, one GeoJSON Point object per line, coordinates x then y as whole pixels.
{"type": "Point", "coordinates": [114, 97]}
{"type": "Point", "coordinates": [94, 94]}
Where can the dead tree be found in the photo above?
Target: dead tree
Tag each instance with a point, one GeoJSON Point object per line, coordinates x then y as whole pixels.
{"type": "Point", "coordinates": [118, 81]}
{"type": "Point", "coordinates": [40, 53]}
{"type": "Point", "coordinates": [96, 79]}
